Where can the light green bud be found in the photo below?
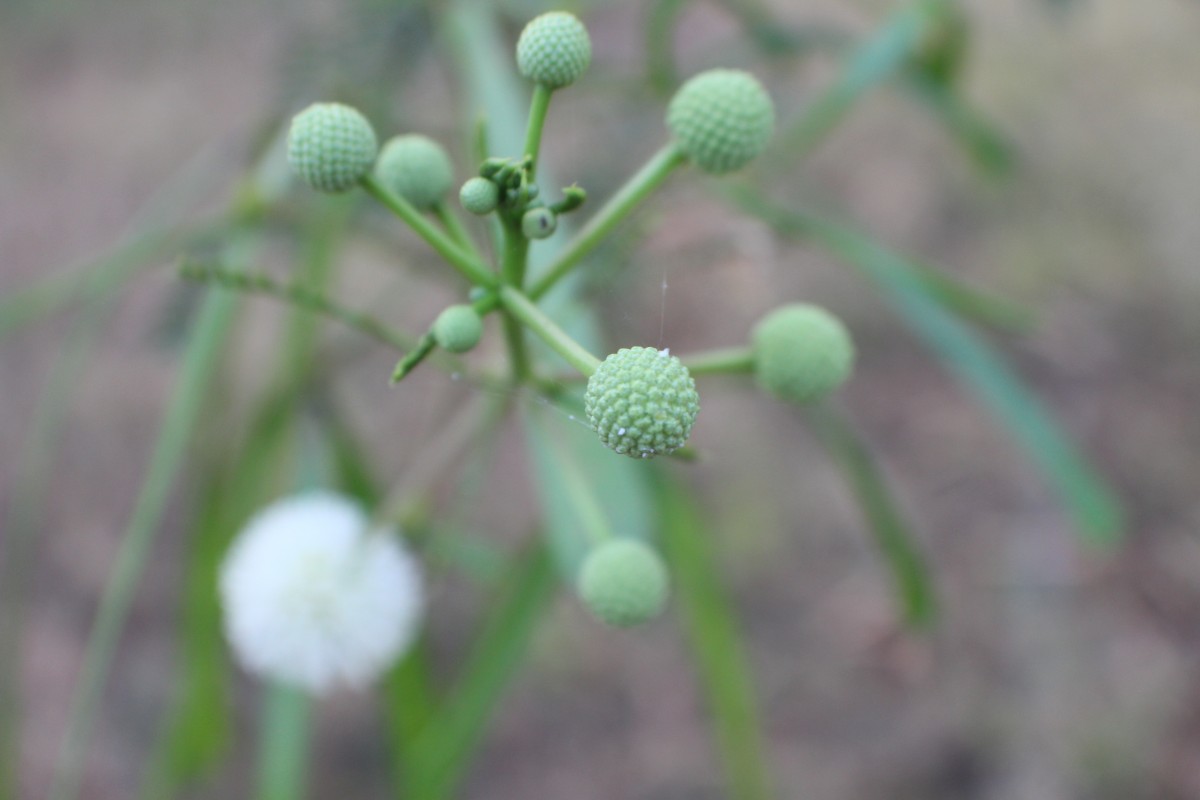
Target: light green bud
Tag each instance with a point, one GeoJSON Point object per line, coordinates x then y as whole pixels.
{"type": "Point", "coordinates": [479, 196]}
{"type": "Point", "coordinates": [801, 352]}
{"type": "Point", "coordinates": [722, 119]}
{"type": "Point", "coordinates": [623, 582]}
{"type": "Point", "coordinates": [331, 146]}
{"type": "Point", "coordinates": [416, 168]}
{"type": "Point", "coordinates": [538, 223]}
{"type": "Point", "coordinates": [642, 402]}
{"type": "Point", "coordinates": [458, 329]}
{"type": "Point", "coordinates": [554, 49]}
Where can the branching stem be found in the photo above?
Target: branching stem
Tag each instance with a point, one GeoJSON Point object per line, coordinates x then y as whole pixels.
{"type": "Point", "coordinates": [521, 307]}
{"type": "Point", "coordinates": [628, 197]}
{"type": "Point", "coordinates": [304, 297]}
{"type": "Point", "coordinates": [461, 260]}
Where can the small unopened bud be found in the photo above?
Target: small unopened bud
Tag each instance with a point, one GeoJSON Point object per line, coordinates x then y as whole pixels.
{"type": "Point", "coordinates": [538, 223]}
{"type": "Point", "coordinates": [624, 583]}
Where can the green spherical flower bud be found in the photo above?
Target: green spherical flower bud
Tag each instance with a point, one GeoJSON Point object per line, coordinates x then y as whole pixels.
{"type": "Point", "coordinates": [416, 168]}
{"type": "Point", "coordinates": [538, 223]}
{"type": "Point", "coordinates": [722, 119]}
{"type": "Point", "coordinates": [801, 352]}
{"type": "Point", "coordinates": [623, 582]}
{"type": "Point", "coordinates": [554, 49]}
{"type": "Point", "coordinates": [642, 402]}
{"type": "Point", "coordinates": [479, 196]}
{"type": "Point", "coordinates": [331, 146]}
{"type": "Point", "coordinates": [458, 329]}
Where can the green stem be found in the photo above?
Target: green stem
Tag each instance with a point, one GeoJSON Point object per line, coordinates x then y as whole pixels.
{"type": "Point", "coordinates": [512, 270]}
{"type": "Point", "coordinates": [455, 228]}
{"type": "Point", "coordinates": [727, 360]}
{"type": "Point", "coordinates": [283, 746]}
{"type": "Point", "coordinates": [537, 119]}
{"type": "Point", "coordinates": [521, 307]}
{"type": "Point", "coordinates": [515, 255]}
{"type": "Point", "coordinates": [303, 297]}
{"type": "Point", "coordinates": [446, 248]}
{"type": "Point", "coordinates": [424, 346]}
{"type": "Point", "coordinates": [582, 496]}
{"type": "Point", "coordinates": [628, 197]}
{"type": "Point", "coordinates": [413, 357]}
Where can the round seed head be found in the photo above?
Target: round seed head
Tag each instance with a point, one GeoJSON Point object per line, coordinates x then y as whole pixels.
{"type": "Point", "coordinates": [801, 352]}
{"type": "Point", "coordinates": [538, 223]}
{"type": "Point", "coordinates": [416, 168]}
{"type": "Point", "coordinates": [479, 196]}
{"type": "Point", "coordinates": [554, 49]}
{"type": "Point", "coordinates": [623, 582]}
{"type": "Point", "coordinates": [331, 146]}
{"type": "Point", "coordinates": [642, 402]}
{"type": "Point", "coordinates": [722, 119]}
{"type": "Point", "coordinates": [458, 329]}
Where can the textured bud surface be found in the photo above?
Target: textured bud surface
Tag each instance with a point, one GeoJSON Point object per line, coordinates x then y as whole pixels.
{"type": "Point", "coordinates": [554, 49]}
{"type": "Point", "coordinates": [623, 582]}
{"type": "Point", "coordinates": [479, 196]}
{"type": "Point", "coordinates": [642, 402]}
{"type": "Point", "coordinates": [722, 119]}
{"type": "Point", "coordinates": [458, 329]}
{"type": "Point", "coordinates": [802, 352]}
{"type": "Point", "coordinates": [331, 146]}
{"type": "Point", "coordinates": [538, 223]}
{"type": "Point", "coordinates": [417, 168]}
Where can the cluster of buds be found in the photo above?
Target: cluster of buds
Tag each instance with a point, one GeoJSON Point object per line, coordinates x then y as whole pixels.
{"type": "Point", "coordinates": [642, 402]}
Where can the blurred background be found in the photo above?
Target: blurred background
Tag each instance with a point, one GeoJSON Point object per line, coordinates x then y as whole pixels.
{"type": "Point", "coordinates": [1055, 669]}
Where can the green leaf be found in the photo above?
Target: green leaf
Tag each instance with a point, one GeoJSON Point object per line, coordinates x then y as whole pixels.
{"type": "Point", "coordinates": [585, 491]}
{"type": "Point", "coordinates": [870, 64]}
{"type": "Point", "coordinates": [970, 303]}
{"type": "Point", "coordinates": [408, 688]}
{"type": "Point", "coordinates": [1097, 512]}
{"type": "Point", "coordinates": [441, 756]}
{"type": "Point", "coordinates": [26, 515]}
{"type": "Point", "coordinates": [662, 17]}
{"type": "Point", "coordinates": [198, 728]}
{"type": "Point", "coordinates": [710, 623]}
{"type": "Point", "coordinates": [200, 363]}
{"type": "Point", "coordinates": [897, 544]}
{"type": "Point", "coordinates": [986, 145]}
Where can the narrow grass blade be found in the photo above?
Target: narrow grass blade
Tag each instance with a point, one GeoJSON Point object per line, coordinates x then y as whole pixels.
{"type": "Point", "coordinates": [776, 39]}
{"type": "Point", "coordinates": [870, 64]}
{"type": "Point", "coordinates": [408, 689]}
{"type": "Point", "coordinates": [710, 623]}
{"type": "Point", "coordinates": [25, 515]}
{"type": "Point", "coordinates": [198, 728]}
{"type": "Point", "coordinates": [283, 744]}
{"type": "Point", "coordinates": [443, 753]}
{"type": "Point", "coordinates": [200, 361]}
{"type": "Point", "coordinates": [896, 542]}
{"type": "Point", "coordinates": [1096, 511]}
{"type": "Point", "coordinates": [986, 146]}
{"type": "Point", "coordinates": [662, 16]}
{"type": "Point", "coordinates": [976, 305]}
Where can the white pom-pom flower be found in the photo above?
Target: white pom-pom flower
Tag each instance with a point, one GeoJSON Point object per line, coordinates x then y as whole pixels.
{"type": "Point", "coordinates": [313, 597]}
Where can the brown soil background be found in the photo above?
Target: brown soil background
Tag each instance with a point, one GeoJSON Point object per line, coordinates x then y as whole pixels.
{"type": "Point", "coordinates": [1054, 673]}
